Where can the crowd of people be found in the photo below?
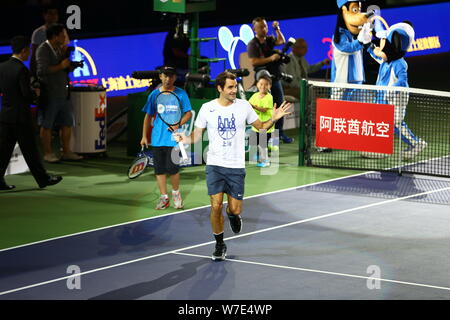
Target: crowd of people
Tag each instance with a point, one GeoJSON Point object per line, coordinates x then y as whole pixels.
{"type": "Point", "coordinates": [225, 118]}
{"type": "Point", "coordinates": [46, 84]}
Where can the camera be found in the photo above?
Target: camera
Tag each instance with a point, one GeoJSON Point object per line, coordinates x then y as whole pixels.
{"type": "Point", "coordinates": [284, 58]}
{"type": "Point", "coordinates": [286, 77]}
{"type": "Point", "coordinates": [73, 64]}
{"type": "Point", "coordinates": [76, 64]}
{"type": "Point", "coordinates": [274, 68]}
{"type": "Point", "coordinates": [35, 84]}
{"type": "Point", "coordinates": [280, 76]}
{"type": "Point", "coordinates": [239, 72]}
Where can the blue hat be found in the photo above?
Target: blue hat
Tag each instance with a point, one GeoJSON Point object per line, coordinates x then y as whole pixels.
{"type": "Point", "coordinates": [405, 31]}
{"type": "Point", "coordinates": [340, 3]}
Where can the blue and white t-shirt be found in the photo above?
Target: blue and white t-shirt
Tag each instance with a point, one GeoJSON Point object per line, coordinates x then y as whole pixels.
{"type": "Point", "coordinates": [161, 136]}
{"type": "Point", "coordinates": [226, 131]}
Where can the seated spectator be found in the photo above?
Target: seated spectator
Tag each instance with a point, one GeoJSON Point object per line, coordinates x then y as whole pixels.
{"type": "Point", "coordinates": [299, 68]}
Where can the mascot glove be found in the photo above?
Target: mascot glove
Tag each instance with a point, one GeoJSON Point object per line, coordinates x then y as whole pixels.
{"type": "Point", "coordinates": [365, 34]}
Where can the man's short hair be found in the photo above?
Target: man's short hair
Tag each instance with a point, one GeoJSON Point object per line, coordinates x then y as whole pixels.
{"type": "Point", "coordinates": [54, 30]}
{"type": "Point", "coordinates": [222, 78]}
{"type": "Point", "coordinates": [258, 19]}
{"type": "Point", "coordinates": [18, 43]}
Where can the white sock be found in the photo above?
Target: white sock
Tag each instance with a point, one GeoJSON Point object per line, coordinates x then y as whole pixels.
{"type": "Point", "coordinates": [165, 196]}
{"type": "Point", "coordinates": [175, 191]}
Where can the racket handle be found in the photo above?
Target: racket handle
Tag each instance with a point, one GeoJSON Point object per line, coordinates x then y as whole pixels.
{"type": "Point", "coordinates": [183, 151]}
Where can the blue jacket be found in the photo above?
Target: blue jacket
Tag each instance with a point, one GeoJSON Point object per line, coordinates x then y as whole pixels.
{"type": "Point", "coordinates": [393, 73]}
{"type": "Point", "coordinates": [347, 64]}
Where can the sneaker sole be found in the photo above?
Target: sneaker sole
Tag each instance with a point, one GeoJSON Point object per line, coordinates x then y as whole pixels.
{"type": "Point", "coordinates": [222, 258]}
{"type": "Point", "coordinates": [240, 229]}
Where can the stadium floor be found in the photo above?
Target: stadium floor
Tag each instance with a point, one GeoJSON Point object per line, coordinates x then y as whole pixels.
{"type": "Point", "coordinates": [96, 193]}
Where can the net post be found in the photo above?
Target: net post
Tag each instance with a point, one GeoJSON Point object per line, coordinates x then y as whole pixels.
{"type": "Point", "coordinates": [302, 122]}
{"type": "Point", "coordinates": [399, 151]}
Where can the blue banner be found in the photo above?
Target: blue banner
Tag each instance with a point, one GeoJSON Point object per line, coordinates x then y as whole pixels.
{"type": "Point", "coordinates": [110, 61]}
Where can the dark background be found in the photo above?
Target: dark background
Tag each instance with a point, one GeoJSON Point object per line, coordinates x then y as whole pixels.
{"type": "Point", "coordinates": [107, 18]}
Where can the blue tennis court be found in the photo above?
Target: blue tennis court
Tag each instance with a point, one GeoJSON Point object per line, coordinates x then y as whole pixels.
{"type": "Point", "coordinates": [368, 236]}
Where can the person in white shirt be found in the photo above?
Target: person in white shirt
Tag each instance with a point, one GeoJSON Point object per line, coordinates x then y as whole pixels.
{"type": "Point", "coordinates": [226, 118]}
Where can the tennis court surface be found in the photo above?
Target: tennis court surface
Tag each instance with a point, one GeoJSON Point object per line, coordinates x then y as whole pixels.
{"type": "Point", "coordinates": [367, 236]}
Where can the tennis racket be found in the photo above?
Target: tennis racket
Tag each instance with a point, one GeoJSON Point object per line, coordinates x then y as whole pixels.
{"type": "Point", "coordinates": [138, 165]}
{"type": "Point", "coordinates": [169, 110]}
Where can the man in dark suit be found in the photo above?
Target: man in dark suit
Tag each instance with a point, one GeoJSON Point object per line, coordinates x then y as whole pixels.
{"type": "Point", "coordinates": [16, 124]}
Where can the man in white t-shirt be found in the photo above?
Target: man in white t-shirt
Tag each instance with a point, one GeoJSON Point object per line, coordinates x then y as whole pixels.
{"type": "Point", "coordinates": [226, 119]}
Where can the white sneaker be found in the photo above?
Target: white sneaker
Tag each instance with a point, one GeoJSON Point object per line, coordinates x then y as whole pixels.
{"type": "Point", "coordinates": [413, 151]}
{"type": "Point", "coordinates": [263, 164]}
{"type": "Point", "coordinates": [163, 203]}
{"type": "Point", "coordinates": [71, 156]}
{"type": "Point", "coordinates": [51, 158]}
{"type": "Point", "coordinates": [177, 200]}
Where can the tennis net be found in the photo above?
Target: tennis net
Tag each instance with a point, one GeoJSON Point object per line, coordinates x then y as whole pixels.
{"type": "Point", "coordinates": [417, 133]}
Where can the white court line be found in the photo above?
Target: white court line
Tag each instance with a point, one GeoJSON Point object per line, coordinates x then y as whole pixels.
{"type": "Point", "coordinates": [177, 212]}
{"type": "Point", "coordinates": [229, 238]}
{"type": "Point", "coordinates": [320, 271]}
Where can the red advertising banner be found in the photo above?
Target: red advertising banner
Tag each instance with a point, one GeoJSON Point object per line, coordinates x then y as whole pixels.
{"type": "Point", "coordinates": [356, 126]}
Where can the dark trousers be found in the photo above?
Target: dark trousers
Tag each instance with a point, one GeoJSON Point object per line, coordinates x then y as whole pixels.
{"type": "Point", "coordinates": [26, 137]}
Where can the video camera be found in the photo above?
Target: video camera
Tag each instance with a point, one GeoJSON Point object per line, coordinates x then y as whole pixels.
{"type": "Point", "coordinates": [284, 58]}
{"type": "Point", "coordinates": [280, 76]}
{"type": "Point", "coordinates": [239, 72]}
{"type": "Point", "coordinates": [73, 64]}
{"type": "Point", "coordinates": [274, 68]}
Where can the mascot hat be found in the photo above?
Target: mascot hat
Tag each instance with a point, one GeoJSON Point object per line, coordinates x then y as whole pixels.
{"type": "Point", "coordinates": [340, 3]}
{"type": "Point", "coordinates": [405, 31]}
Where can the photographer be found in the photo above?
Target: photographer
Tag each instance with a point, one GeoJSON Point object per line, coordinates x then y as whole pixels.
{"type": "Point", "coordinates": [53, 67]}
{"type": "Point", "coordinates": [263, 56]}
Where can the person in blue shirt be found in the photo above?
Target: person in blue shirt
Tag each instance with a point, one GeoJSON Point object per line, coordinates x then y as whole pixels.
{"type": "Point", "coordinates": [162, 140]}
{"type": "Point", "coordinates": [394, 43]}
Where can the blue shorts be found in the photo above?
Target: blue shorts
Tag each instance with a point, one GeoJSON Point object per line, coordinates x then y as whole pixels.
{"type": "Point", "coordinates": [228, 180]}
{"type": "Point", "coordinates": [56, 112]}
